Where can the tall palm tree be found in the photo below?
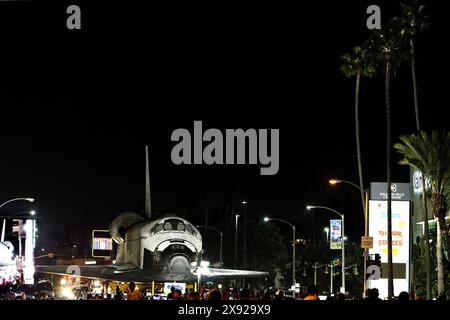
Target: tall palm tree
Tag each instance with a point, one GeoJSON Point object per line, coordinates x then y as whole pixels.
{"type": "Point", "coordinates": [431, 155]}
{"type": "Point", "coordinates": [359, 63]}
{"type": "Point", "coordinates": [413, 20]}
{"type": "Point", "coordinates": [387, 42]}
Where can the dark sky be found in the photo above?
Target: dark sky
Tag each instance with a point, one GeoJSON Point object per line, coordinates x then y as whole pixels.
{"type": "Point", "coordinates": [79, 106]}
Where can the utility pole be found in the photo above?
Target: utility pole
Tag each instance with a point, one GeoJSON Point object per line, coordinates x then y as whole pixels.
{"type": "Point", "coordinates": [244, 244]}
{"type": "Point", "coordinates": [236, 240]}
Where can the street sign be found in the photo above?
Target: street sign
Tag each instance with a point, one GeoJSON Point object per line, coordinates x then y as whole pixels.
{"type": "Point", "coordinates": [399, 191]}
{"type": "Point", "coordinates": [367, 242]}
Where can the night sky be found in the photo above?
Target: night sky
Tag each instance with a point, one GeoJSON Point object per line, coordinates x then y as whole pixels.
{"type": "Point", "coordinates": [78, 107]}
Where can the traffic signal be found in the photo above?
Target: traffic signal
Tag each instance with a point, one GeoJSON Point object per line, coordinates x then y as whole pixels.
{"type": "Point", "coordinates": [377, 260]}
{"type": "Point", "coordinates": [18, 228]}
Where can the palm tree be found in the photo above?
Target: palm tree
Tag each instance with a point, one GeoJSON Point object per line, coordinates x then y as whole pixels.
{"type": "Point", "coordinates": [413, 20]}
{"type": "Point", "coordinates": [431, 155]}
{"type": "Point", "coordinates": [387, 41]}
{"type": "Point", "coordinates": [359, 63]}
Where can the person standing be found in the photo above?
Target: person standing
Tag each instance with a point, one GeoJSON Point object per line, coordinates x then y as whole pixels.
{"type": "Point", "coordinates": [312, 293]}
{"type": "Point", "coordinates": [133, 293]}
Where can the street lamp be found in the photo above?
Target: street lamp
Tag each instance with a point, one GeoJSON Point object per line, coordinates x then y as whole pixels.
{"type": "Point", "coordinates": [342, 240]}
{"type": "Point", "coordinates": [331, 276]}
{"type": "Point", "coordinates": [366, 221]}
{"type": "Point", "coordinates": [317, 266]}
{"type": "Point", "coordinates": [244, 229]}
{"type": "Point", "coordinates": [355, 269]}
{"type": "Point", "coordinates": [327, 230]}
{"type": "Point", "coordinates": [266, 219]}
{"type": "Point", "coordinates": [236, 240]}
{"type": "Point", "coordinates": [221, 241]}
{"type": "Point", "coordinates": [16, 199]}
{"type": "Point", "coordinates": [4, 220]}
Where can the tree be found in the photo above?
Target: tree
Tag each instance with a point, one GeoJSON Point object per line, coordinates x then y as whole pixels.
{"type": "Point", "coordinates": [431, 155]}
{"type": "Point", "coordinates": [359, 63]}
{"type": "Point", "coordinates": [421, 266]}
{"type": "Point", "coordinates": [387, 42]}
{"type": "Point", "coordinates": [266, 250]}
{"type": "Point", "coordinates": [413, 20]}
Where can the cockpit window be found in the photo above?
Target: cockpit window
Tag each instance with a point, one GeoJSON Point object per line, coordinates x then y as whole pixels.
{"type": "Point", "coordinates": [168, 226]}
{"type": "Point", "coordinates": [174, 224]}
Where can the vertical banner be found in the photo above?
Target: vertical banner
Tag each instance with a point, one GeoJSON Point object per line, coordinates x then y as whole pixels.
{"type": "Point", "coordinates": [335, 234]}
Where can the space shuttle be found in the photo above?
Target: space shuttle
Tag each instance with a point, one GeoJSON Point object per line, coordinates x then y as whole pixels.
{"type": "Point", "coordinates": [166, 248]}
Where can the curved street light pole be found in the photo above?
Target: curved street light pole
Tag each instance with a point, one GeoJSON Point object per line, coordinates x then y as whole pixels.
{"type": "Point", "coordinates": [293, 247]}
{"type": "Point", "coordinates": [4, 220]}
{"type": "Point", "coordinates": [366, 222]}
{"type": "Point", "coordinates": [221, 241]}
{"type": "Point", "coordinates": [342, 240]}
{"type": "Point", "coordinates": [16, 199]}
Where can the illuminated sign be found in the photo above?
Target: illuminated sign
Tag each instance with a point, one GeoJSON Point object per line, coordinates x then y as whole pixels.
{"type": "Point", "coordinates": [101, 244]}
{"type": "Point", "coordinates": [28, 270]}
{"type": "Point", "coordinates": [335, 234]}
{"type": "Point", "coordinates": [399, 191]}
{"type": "Point", "coordinates": [400, 243]}
{"type": "Point", "coordinates": [417, 182]}
{"type": "Point", "coordinates": [177, 285]}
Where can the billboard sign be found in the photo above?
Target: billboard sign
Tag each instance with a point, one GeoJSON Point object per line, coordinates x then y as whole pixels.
{"type": "Point", "coordinates": [101, 244]}
{"type": "Point", "coordinates": [400, 243]}
{"type": "Point", "coordinates": [335, 234]}
{"type": "Point", "coordinates": [176, 285]}
{"type": "Point", "coordinates": [399, 191]}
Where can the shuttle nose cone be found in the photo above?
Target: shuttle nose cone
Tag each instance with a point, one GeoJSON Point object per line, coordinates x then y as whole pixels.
{"type": "Point", "coordinates": [179, 265]}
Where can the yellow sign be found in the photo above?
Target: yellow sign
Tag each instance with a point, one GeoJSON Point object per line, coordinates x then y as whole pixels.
{"type": "Point", "coordinates": [367, 242]}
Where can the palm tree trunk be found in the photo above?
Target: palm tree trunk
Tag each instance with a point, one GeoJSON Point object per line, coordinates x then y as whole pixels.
{"type": "Point", "coordinates": [443, 226]}
{"type": "Point", "coordinates": [440, 266]}
{"type": "Point", "coordinates": [358, 143]}
{"type": "Point", "coordinates": [389, 178]}
{"type": "Point", "coordinates": [426, 226]}
{"type": "Point", "coordinates": [413, 71]}
{"type": "Point", "coordinates": [427, 238]}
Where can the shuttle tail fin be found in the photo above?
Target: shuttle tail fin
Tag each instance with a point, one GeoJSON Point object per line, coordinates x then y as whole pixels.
{"type": "Point", "coordinates": [3, 230]}
{"type": "Point", "coordinates": [148, 204]}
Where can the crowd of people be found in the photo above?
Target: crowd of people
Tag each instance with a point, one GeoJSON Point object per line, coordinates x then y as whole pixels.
{"type": "Point", "coordinates": [134, 293]}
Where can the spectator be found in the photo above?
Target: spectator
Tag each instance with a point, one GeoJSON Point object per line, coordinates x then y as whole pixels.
{"type": "Point", "coordinates": [279, 295]}
{"type": "Point", "coordinates": [267, 295]}
{"type": "Point", "coordinates": [244, 294]}
{"type": "Point", "coordinates": [403, 296]}
{"type": "Point", "coordinates": [193, 296]}
{"type": "Point", "coordinates": [312, 292]}
{"type": "Point", "coordinates": [214, 294]}
{"type": "Point", "coordinates": [177, 294]}
{"type": "Point", "coordinates": [133, 293]}
{"type": "Point", "coordinates": [171, 294]}
{"type": "Point", "coordinates": [118, 295]}
{"type": "Point", "coordinates": [373, 295]}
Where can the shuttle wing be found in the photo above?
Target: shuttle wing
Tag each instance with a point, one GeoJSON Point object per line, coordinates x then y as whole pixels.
{"type": "Point", "coordinates": [129, 272]}
{"type": "Point", "coordinates": [215, 273]}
